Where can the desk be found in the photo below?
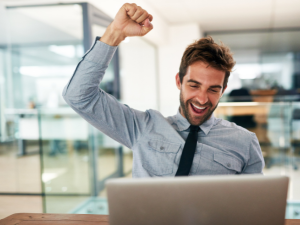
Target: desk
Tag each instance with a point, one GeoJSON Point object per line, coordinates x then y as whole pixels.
{"type": "Point", "coordinates": [69, 219]}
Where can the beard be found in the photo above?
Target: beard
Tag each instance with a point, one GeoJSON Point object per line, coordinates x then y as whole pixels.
{"type": "Point", "coordinates": [196, 120]}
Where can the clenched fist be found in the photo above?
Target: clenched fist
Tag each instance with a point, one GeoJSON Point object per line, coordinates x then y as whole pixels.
{"type": "Point", "coordinates": [131, 20]}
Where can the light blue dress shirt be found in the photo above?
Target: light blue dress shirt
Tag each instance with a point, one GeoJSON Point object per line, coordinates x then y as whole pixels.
{"type": "Point", "coordinates": [157, 142]}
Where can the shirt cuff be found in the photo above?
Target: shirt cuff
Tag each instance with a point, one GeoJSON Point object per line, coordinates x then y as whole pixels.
{"type": "Point", "coordinates": [100, 53]}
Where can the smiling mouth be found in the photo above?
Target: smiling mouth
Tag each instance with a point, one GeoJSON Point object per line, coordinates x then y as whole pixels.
{"type": "Point", "coordinates": [197, 109]}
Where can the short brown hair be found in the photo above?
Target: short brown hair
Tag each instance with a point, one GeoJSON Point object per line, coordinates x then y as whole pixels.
{"type": "Point", "coordinates": [206, 50]}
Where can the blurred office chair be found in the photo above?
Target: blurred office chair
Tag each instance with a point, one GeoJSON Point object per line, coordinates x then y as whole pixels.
{"type": "Point", "coordinates": [242, 95]}
{"type": "Point", "coordinates": [57, 146]}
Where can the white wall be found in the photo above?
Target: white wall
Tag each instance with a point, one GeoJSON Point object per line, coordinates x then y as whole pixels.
{"type": "Point", "coordinates": [138, 73]}
{"type": "Point", "coordinates": [180, 36]}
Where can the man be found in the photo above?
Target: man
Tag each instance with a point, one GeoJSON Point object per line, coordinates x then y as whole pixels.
{"type": "Point", "coordinates": [193, 142]}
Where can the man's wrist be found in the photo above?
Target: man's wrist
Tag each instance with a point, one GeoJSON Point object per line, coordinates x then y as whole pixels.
{"type": "Point", "coordinates": [112, 37]}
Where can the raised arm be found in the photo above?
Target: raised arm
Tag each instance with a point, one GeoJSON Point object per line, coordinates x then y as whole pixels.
{"type": "Point", "coordinates": [82, 93]}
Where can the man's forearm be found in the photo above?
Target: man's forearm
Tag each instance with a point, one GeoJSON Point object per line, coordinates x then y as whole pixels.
{"type": "Point", "coordinates": [112, 37]}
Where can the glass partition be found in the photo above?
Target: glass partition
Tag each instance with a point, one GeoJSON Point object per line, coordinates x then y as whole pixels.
{"type": "Point", "coordinates": [50, 150]}
{"type": "Point", "coordinates": [263, 96]}
{"type": "Point", "coordinates": [43, 52]}
{"type": "Point", "coordinates": [42, 63]}
{"type": "Point", "coordinates": [2, 101]}
{"type": "Point", "coordinates": [277, 127]}
{"type": "Point", "coordinates": [66, 156]}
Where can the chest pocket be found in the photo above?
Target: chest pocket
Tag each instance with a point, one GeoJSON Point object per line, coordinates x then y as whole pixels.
{"type": "Point", "coordinates": [228, 162]}
{"type": "Point", "coordinates": [215, 162]}
{"type": "Point", "coordinates": [160, 157]}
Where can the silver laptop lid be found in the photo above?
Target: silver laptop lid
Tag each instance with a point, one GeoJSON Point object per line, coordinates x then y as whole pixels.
{"type": "Point", "coordinates": [211, 200]}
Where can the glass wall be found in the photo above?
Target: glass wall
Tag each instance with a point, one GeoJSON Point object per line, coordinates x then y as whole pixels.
{"type": "Point", "coordinates": [263, 97]}
{"type": "Point", "coordinates": [46, 149]}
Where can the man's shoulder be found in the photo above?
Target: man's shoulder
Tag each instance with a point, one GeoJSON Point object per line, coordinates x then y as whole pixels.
{"type": "Point", "coordinates": [157, 117]}
{"type": "Point", "coordinates": [232, 127]}
{"type": "Point", "coordinates": [155, 113]}
{"type": "Point", "coordinates": [162, 122]}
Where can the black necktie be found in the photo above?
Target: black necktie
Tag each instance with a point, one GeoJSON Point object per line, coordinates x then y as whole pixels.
{"type": "Point", "coordinates": [188, 152]}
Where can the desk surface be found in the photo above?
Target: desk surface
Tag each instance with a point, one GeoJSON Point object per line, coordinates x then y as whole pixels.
{"type": "Point", "coordinates": [69, 219]}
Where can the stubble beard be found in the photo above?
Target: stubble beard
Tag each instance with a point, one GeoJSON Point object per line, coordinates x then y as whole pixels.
{"type": "Point", "coordinates": [184, 106]}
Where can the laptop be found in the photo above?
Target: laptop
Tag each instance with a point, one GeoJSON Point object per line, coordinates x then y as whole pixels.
{"type": "Point", "coordinates": [205, 200]}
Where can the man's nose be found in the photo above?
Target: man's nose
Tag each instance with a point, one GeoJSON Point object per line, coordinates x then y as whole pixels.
{"type": "Point", "coordinates": [202, 97]}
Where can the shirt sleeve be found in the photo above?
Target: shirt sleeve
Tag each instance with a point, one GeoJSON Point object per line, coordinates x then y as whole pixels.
{"type": "Point", "coordinates": [97, 107]}
{"type": "Point", "coordinates": [256, 161]}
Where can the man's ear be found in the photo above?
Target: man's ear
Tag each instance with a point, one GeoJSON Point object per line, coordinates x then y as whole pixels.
{"type": "Point", "coordinates": [178, 83]}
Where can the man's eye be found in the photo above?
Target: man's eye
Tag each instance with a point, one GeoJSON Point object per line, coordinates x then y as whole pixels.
{"type": "Point", "coordinates": [194, 86]}
{"type": "Point", "coordinates": [214, 90]}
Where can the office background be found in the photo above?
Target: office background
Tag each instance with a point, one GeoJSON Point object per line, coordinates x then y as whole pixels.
{"type": "Point", "coordinates": [52, 161]}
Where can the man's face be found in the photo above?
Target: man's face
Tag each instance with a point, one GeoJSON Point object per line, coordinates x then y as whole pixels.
{"type": "Point", "coordinates": [200, 92]}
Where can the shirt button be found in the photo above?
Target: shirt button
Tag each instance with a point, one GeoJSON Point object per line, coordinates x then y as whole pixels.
{"type": "Point", "coordinates": [228, 164]}
{"type": "Point", "coordinates": [162, 148]}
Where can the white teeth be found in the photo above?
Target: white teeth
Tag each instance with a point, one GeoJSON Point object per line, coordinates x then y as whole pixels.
{"type": "Point", "coordinates": [198, 107]}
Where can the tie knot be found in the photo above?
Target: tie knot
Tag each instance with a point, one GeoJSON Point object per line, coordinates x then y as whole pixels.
{"type": "Point", "coordinates": [194, 128]}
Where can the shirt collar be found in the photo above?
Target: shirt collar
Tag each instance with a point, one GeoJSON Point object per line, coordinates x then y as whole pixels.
{"type": "Point", "coordinates": [183, 123]}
